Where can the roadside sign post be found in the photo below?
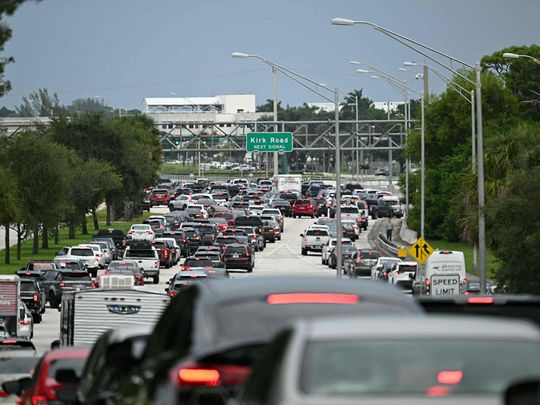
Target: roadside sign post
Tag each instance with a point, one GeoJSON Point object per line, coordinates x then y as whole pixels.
{"type": "Point", "coordinates": [421, 250]}
{"type": "Point", "coordinates": [269, 142]}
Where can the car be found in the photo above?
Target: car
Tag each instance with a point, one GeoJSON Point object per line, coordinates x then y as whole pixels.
{"type": "Point", "coordinates": [238, 256]}
{"type": "Point", "coordinates": [402, 275]}
{"type": "Point", "coordinates": [394, 360]}
{"type": "Point", "coordinates": [381, 261]}
{"type": "Point", "coordinates": [185, 279]}
{"type": "Point", "coordinates": [347, 250]}
{"type": "Point", "coordinates": [224, 240]}
{"type": "Point", "coordinates": [382, 172]}
{"type": "Point", "coordinates": [117, 235]}
{"type": "Point", "coordinates": [271, 230]}
{"type": "Point", "coordinates": [147, 259]}
{"type": "Point", "coordinates": [256, 239]}
{"type": "Point", "coordinates": [67, 281]}
{"type": "Point", "coordinates": [166, 256]}
{"type": "Point", "coordinates": [193, 238]}
{"type": "Point", "coordinates": [313, 239]}
{"type": "Point", "coordinates": [159, 196]}
{"type": "Point", "coordinates": [183, 351]}
{"type": "Point", "coordinates": [157, 227]}
{"type": "Point", "coordinates": [182, 242]}
{"type": "Point", "coordinates": [85, 254]}
{"type": "Point", "coordinates": [303, 208]}
{"type": "Point", "coordinates": [42, 387]}
{"type": "Point", "coordinates": [34, 296]}
{"type": "Point", "coordinates": [216, 257]}
{"type": "Point", "coordinates": [141, 232]}
{"type": "Point", "coordinates": [197, 211]}
{"type": "Point", "coordinates": [25, 329]}
{"type": "Point", "coordinates": [360, 263]}
{"type": "Point", "coordinates": [18, 359]}
{"type": "Point", "coordinates": [350, 229]}
{"type": "Point", "coordinates": [277, 214]}
{"type": "Point", "coordinates": [330, 246]}
{"type": "Point", "coordinates": [283, 205]}
{"type": "Point", "coordinates": [100, 252]}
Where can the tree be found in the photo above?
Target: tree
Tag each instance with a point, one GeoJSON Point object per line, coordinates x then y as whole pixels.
{"type": "Point", "coordinates": [43, 172]}
{"type": "Point", "coordinates": [9, 205]}
{"type": "Point", "coordinates": [521, 76]}
{"type": "Point", "coordinates": [366, 110]}
{"type": "Point", "coordinates": [39, 104]}
{"type": "Point", "coordinates": [268, 106]}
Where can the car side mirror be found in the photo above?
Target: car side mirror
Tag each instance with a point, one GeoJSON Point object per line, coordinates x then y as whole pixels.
{"type": "Point", "coordinates": [412, 276]}
{"type": "Point", "coordinates": [16, 387]}
{"type": "Point", "coordinates": [301, 235]}
{"type": "Point", "coordinates": [167, 290]}
{"type": "Point", "coordinates": [523, 393]}
{"type": "Point", "coordinates": [66, 376]}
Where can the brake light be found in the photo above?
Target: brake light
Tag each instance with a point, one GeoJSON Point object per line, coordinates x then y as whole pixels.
{"type": "Point", "coordinates": [130, 231]}
{"type": "Point", "coordinates": [9, 342]}
{"type": "Point", "coordinates": [24, 322]}
{"type": "Point", "coordinates": [166, 253]}
{"type": "Point", "coordinates": [184, 268]}
{"type": "Point", "coordinates": [36, 298]}
{"type": "Point", "coordinates": [450, 377]}
{"type": "Point", "coordinates": [437, 391]}
{"type": "Point", "coordinates": [480, 300]}
{"type": "Point", "coordinates": [61, 284]}
{"type": "Point", "coordinates": [312, 298]}
{"type": "Point", "coordinates": [357, 259]}
{"type": "Point", "coordinates": [427, 281]}
{"type": "Point", "coordinates": [196, 237]}
{"type": "Point", "coordinates": [211, 375]}
{"type": "Point", "coordinates": [172, 294]}
{"type": "Point", "coordinates": [149, 232]}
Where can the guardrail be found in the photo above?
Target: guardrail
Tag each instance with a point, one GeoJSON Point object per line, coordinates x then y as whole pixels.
{"type": "Point", "coordinates": [387, 245]}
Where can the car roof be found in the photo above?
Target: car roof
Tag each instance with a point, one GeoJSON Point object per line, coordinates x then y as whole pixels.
{"type": "Point", "coordinates": [68, 353]}
{"type": "Point", "coordinates": [422, 327]}
{"type": "Point", "coordinates": [223, 290]}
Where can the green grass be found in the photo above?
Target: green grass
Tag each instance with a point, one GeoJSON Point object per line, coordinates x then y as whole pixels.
{"type": "Point", "coordinates": [48, 254]}
{"type": "Point", "coordinates": [492, 262]}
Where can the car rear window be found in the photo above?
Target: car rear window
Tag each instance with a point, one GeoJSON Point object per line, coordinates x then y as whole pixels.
{"type": "Point", "coordinates": [200, 262]}
{"type": "Point", "coordinates": [122, 266]}
{"type": "Point", "coordinates": [403, 268]}
{"type": "Point", "coordinates": [43, 266]}
{"type": "Point", "coordinates": [76, 364]}
{"type": "Point", "coordinates": [226, 241]}
{"type": "Point", "coordinates": [28, 286]}
{"type": "Point", "coordinates": [160, 245]}
{"type": "Point", "coordinates": [140, 253]}
{"type": "Point", "coordinates": [416, 367]}
{"type": "Point", "coordinates": [235, 249]}
{"type": "Point", "coordinates": [317, 232]}
{"type": "Point", "coordinates": [302, 202]}
{"type": "Point", "coordinates": [82, 252]}
{"type": "Point", "coordinates": [76, 277]}
{"type": "Point", "coordinates": [349, 210]}
{"type": "Point", "coordinates": [18, 365]}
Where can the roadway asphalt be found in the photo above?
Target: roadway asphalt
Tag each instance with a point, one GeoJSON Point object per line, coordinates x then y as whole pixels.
{"type": "Point", "coordinates": [282, 258]}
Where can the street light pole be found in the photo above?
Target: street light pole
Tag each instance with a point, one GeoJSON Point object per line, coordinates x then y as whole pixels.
{"type": "Point", "coordinates": [276, 156]}
{"type": "Point", "coordinates": [357, 151]}
{"type": "Point", "coordinates": [516, 56]}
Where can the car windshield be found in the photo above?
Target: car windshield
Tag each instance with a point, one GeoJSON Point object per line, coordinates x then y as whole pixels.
{"type": "Point", "coordinates": [416, 367]}
{"type": "Point", "coordinates": [18, 365]}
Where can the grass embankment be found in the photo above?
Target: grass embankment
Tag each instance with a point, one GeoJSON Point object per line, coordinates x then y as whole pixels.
{"type": "Point", "coordinates": [492, 262]}
{"type": "Point", "coordinates": [48, 254]}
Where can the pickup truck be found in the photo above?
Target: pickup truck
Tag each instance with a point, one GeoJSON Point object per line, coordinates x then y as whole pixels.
{"type": "Point", "coordinates": [147, 258]}
{"type": "Point", "coordinates": [314, 240]}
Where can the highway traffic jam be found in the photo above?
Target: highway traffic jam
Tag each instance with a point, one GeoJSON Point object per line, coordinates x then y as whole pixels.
{"type": "Point", "coordinates": [226, 293]}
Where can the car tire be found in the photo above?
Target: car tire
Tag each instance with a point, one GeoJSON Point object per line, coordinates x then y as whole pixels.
{"type": "Point", "coordinates": [304, 252]}
{"type": "Point", "coordinates": [155, 279]}
{"type": "Point", "coordinates": [37, 317]}
{"type": "Point", "coordinates": [52, 301]}
{"type": "Point", "coordinates": [250, 269]}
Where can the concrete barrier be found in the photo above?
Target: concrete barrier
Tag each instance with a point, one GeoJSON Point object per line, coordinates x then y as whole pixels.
{"type": "Point", "coordinates": [406, 234]}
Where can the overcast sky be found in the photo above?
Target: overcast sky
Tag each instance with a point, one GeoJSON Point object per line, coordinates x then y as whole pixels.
{"type": "Point", "coordinates": [125, 50]}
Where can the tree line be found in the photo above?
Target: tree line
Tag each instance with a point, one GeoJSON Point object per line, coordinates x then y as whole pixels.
{"type": "Point", "coordinates": [57, 175]}
{"type": "Point", "coordinates": [511, 109]}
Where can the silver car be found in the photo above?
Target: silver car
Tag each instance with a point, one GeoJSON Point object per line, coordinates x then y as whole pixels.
{"type": "Point", "coordinates": [390, 360]}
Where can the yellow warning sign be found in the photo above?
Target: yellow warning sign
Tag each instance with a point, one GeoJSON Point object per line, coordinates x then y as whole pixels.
{"type": "Point", "coordinates": [402, 253]}
{"type": "Point", "coordinates": [421, 250]}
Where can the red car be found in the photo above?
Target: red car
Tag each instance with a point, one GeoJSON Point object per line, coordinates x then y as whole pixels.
{"type": "Point", "coordinates": [160, 196]}
{"type": "Point", "coordinates": [44, 384]}
{"type": "Point", "coordinates": [305, 208]}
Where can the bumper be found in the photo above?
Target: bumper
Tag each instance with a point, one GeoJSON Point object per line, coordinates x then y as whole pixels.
{"type": "Point", "coordinates": [362, 271]}
{"type": "Point", "coordinates": [237, 264]}
{"type": "Point", "coordinates": [150, 273]}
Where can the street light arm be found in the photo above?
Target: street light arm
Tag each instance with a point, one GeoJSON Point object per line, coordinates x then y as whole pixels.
{"type": "Point", "coordinates": [395, 35]}
{"type": "Point", "coordinates": [290, 76]}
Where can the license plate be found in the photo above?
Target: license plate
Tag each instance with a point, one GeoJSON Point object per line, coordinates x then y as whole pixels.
{"type": "Point", "coordinates": [236, 256]}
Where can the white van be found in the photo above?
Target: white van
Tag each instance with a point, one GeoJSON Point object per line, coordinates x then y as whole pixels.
{"type": "Point", "coordinates": [445, 273]}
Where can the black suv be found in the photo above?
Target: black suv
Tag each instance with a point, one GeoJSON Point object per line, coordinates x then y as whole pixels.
{"type": "Point", "coordinates": [117, 235]}
{"type": "Point", "coordinates": [34, 297]}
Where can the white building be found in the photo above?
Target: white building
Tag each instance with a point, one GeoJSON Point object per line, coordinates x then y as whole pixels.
{"type": "Point", "coordinates": [221, 110]}
{"type": "Point", "coordinates": [387, 105]}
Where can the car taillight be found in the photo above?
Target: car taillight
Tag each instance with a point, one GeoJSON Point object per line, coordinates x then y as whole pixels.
{"type": "Point", "coordinates": [210, 375]}
{"type": "Point", "coordinates": [36, 298]}
{"type": "Point", "coordinates": [62, 284]}
{"type": "Point", "coordinates": [357, 259]}
{"type": "Point", "coordinates": [184, 268]}
{"type": "Point", "coordinates": [24, 322]}
{"type": "Point", "coordinates": [149, 232]}
{"type": "Point", "coordinates": [427, 281]}
{"type": "Point", "coordinates": [130, 232]}
{"type": "Point", "coordinates": [172, 294]}
{"type": "Point", "coordinates": [196, 237]}
{"type": "Point", "coordinates": [312, 298]}
{"type": "Point", "coordinates": [166, 253]}
{"type": "Point", "coordinates": [480, 300]}
{"type": "Point", "coordinates": [277, 229]}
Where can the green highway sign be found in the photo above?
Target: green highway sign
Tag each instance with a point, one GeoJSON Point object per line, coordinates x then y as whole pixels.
{"type": "Point", "coordinates": [269, 142]}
